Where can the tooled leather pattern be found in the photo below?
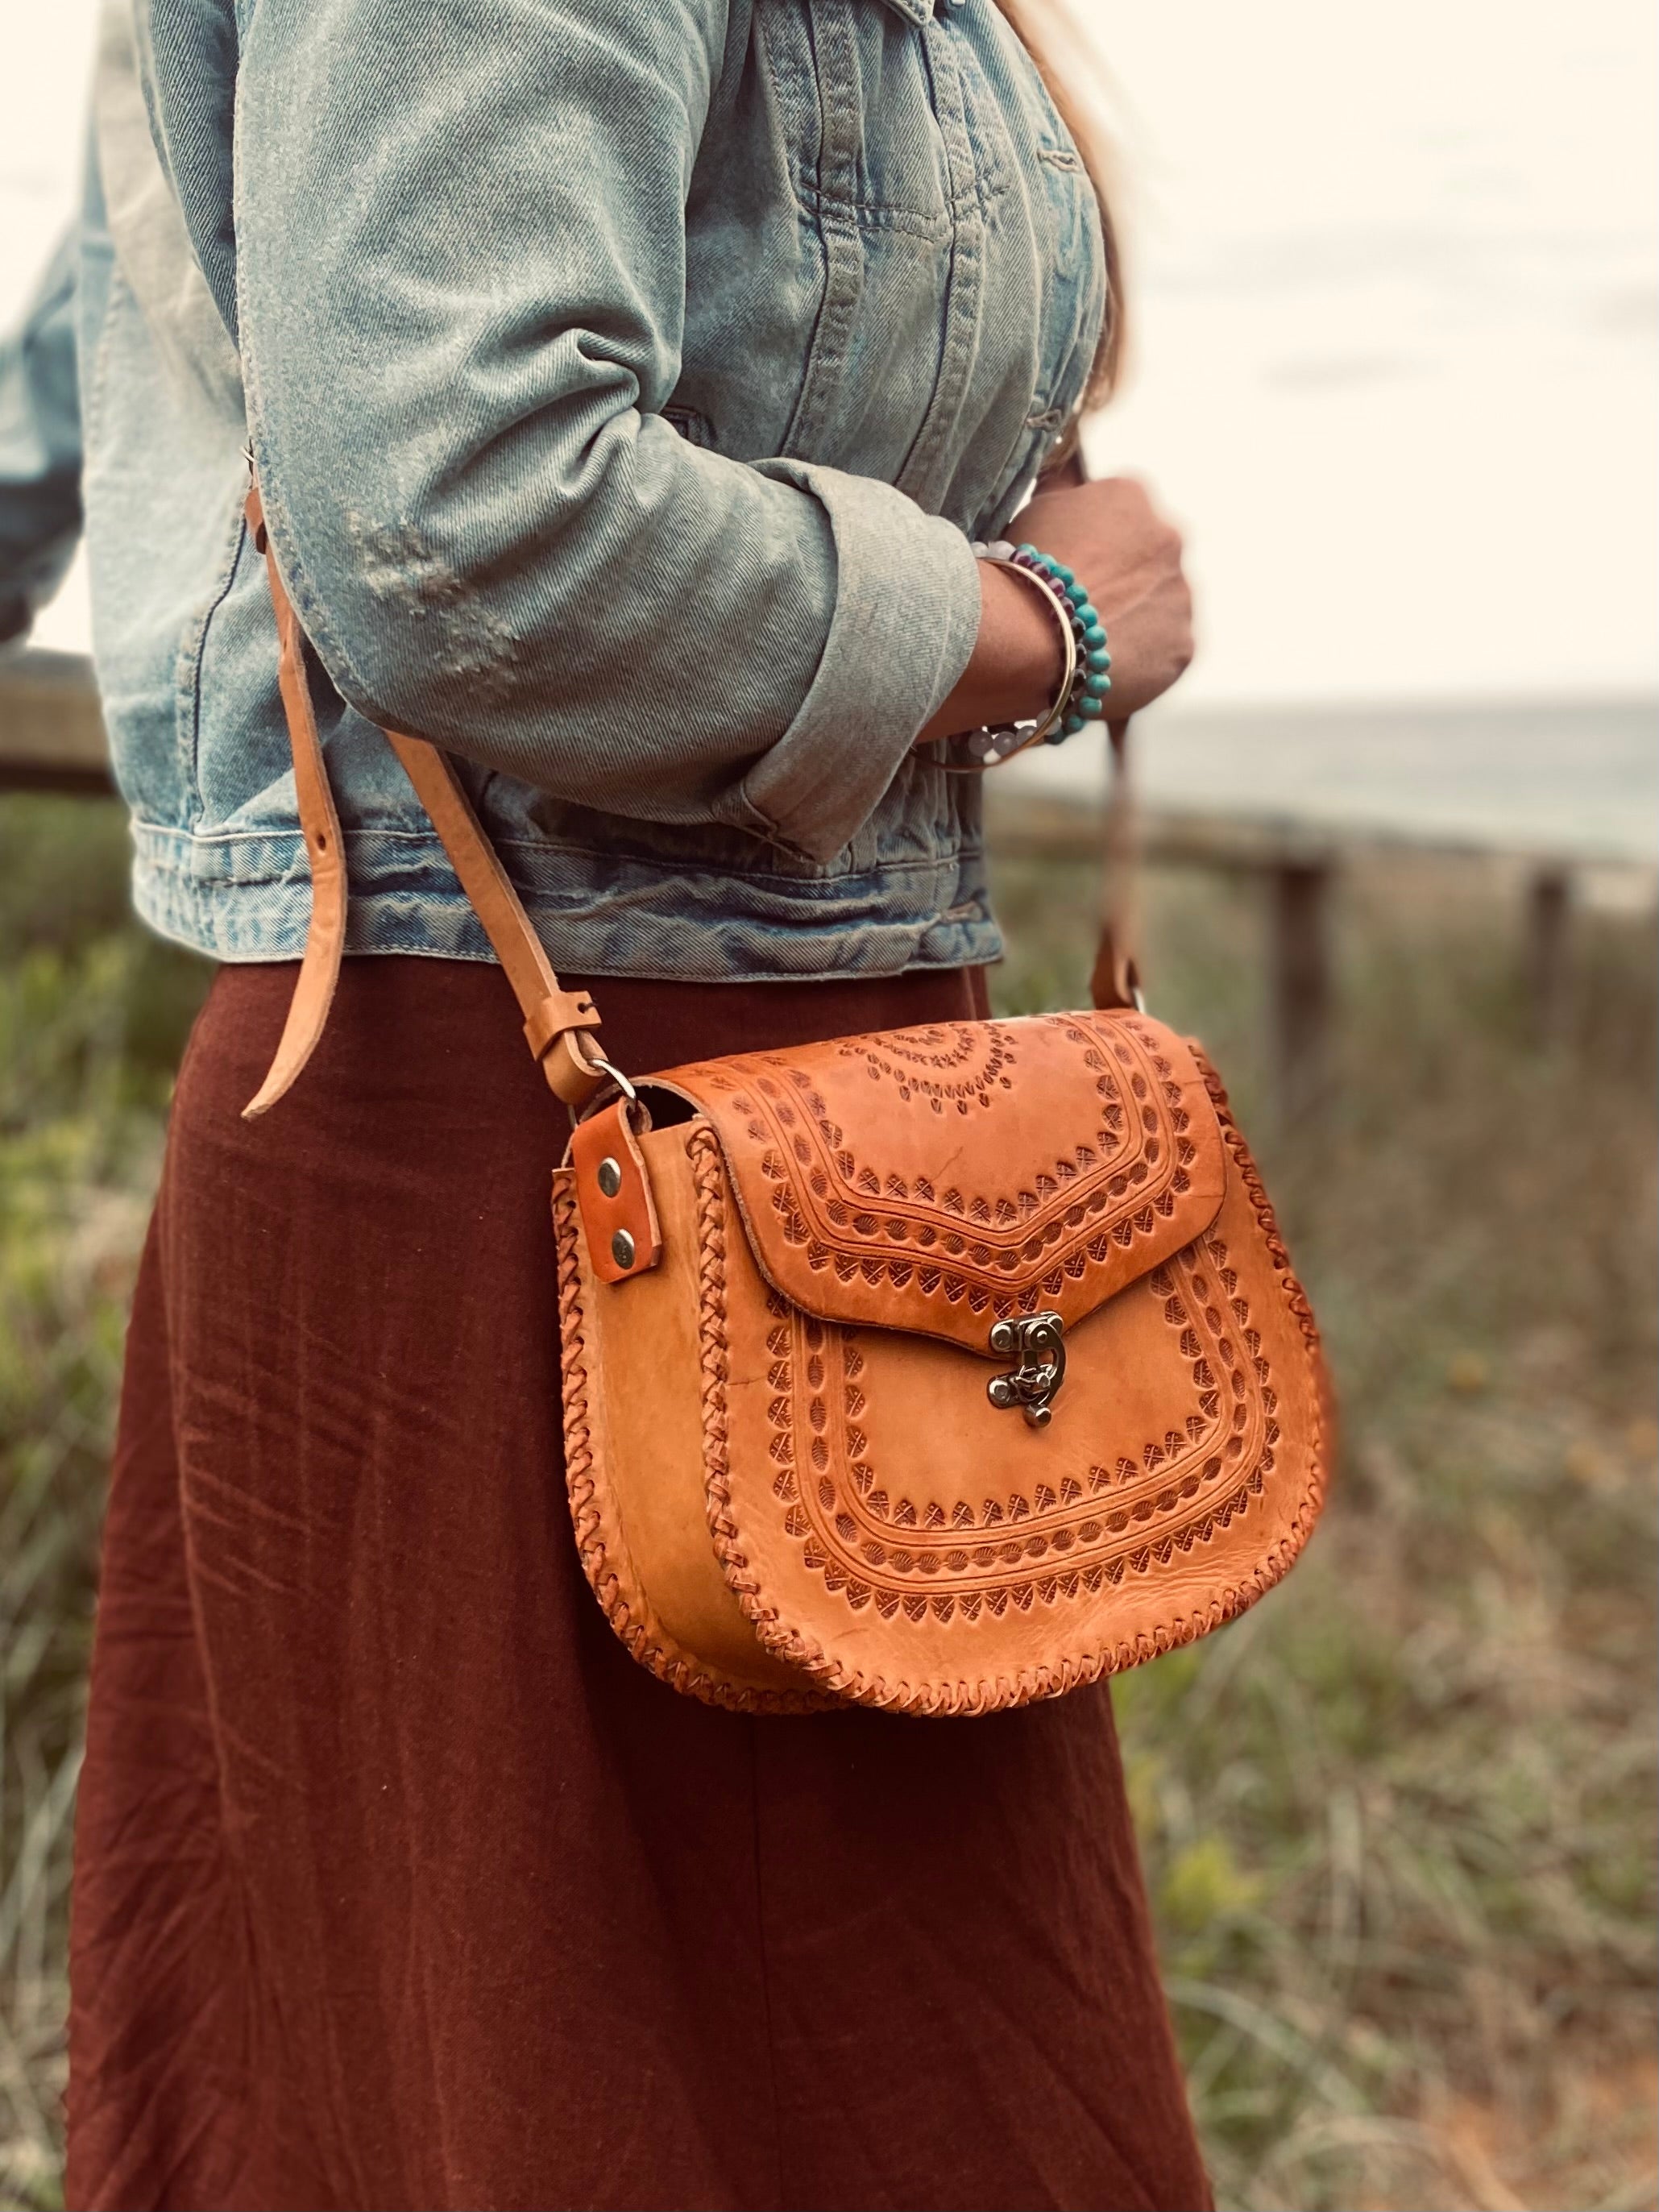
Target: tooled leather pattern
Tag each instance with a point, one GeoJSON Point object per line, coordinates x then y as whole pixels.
{"type": "Point", "coordinates": [953, 1066]}
{"type": "Point", "coordinates": [1080, 1535]}
{"type": "Point", "coordinates": [1072, 1667]}
{"type": "Point", "coordinates": [894, 1179]}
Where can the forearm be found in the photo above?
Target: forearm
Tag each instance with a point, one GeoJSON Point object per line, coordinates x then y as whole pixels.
{"type": "Point", "coordinates": [1017, 663]}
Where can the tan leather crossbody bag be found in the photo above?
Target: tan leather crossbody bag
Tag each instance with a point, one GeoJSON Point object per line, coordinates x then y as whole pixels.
{"type": "Point", "coordinates": [939, 1370]}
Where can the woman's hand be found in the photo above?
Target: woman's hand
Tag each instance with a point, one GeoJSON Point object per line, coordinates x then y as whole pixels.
{"type": "Point", "coordinates": [1129, 559]}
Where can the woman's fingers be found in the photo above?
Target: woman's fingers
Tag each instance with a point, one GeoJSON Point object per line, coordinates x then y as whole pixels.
{"type": "Point", "coordinates": [1129, 559]}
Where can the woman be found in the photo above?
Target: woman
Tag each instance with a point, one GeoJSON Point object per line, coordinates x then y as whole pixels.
{"type": "Point", "coordinates": [626, 381]}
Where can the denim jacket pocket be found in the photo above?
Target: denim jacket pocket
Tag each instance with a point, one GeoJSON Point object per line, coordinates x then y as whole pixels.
{"type": "Point", "coordinates": [851, 78]}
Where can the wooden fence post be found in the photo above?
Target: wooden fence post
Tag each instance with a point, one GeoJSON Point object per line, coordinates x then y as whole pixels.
{"type": "Point", "coordinates": [1549, 909]}
{"type": "Point", "coordinates": [1302, 983]}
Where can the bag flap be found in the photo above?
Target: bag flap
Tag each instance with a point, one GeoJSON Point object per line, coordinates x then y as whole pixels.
{"type": "Point", "coordinates": [942, 1179]}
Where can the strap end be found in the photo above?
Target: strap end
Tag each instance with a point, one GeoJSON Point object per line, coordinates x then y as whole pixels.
{"type": "Point", "coordinates": [571, 1073]}
{"type": "Point", "coordinates": [282, 1075]}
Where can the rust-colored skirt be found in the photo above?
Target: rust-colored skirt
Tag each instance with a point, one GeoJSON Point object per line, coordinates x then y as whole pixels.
{"type": "Point", "coordinates": [398, 1884]}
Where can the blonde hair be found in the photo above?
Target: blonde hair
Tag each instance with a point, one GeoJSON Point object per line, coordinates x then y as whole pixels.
{"type": "Point", "coordinates": [1052, 38]}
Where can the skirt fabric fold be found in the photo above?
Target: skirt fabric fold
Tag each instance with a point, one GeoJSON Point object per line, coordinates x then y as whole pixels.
{"type": "Point", "coordinates": [398, 1883]}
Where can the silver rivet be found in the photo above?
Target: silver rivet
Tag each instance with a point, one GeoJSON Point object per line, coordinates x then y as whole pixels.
{"type": "Point", "coordinates": [609, 1177]}
{"type": "Point", "coordinates": [621, 1248]}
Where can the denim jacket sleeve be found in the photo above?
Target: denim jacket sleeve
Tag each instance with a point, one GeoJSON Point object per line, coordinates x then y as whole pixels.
{"type": "Point", "coordinates": [40, 446]}
{"type": "Point", "coordinates": [461, 280]}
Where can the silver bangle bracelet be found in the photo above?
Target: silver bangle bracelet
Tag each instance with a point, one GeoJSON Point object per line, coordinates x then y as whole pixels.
{"type": "Point", "coordinates": [998, 741]}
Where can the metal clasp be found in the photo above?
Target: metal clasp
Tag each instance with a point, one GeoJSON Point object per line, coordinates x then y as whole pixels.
{"type": "Point", "coordinates": [1037, 1342]}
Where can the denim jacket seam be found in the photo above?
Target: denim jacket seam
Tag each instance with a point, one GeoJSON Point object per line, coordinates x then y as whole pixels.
{"type": "Point", "coordinates": [994, 168]}
{"type": "Point", "coordinates": [874, 215]}
{"type": "Point", "coordinates": [152, 834]}
{"type": "Point", "coordinates": [93, 387]}
{"type": "Point", "coordinates": [187, 669]}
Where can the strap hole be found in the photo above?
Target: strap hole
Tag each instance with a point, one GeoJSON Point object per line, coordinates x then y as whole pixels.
{"type": "Point", "coordinates": [322, 841]}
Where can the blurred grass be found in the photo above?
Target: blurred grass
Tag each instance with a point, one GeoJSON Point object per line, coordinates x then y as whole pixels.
{"type": "Point", "coordinates": [1399, 1823]}
{"type": "Point", "coordinates": [92, 1017]}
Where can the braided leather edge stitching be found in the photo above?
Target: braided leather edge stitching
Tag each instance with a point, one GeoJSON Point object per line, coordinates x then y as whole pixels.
{"type": "Point", "coordinates": [1262, 1205]}
{"type": "Point", "coordinates": [625, 1605]}
{"type": "Point", "coordinates": [968, 1699]}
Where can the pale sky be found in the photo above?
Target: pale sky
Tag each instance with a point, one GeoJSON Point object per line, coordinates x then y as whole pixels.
{"type": "Point", "coordinates": [1396, 293]}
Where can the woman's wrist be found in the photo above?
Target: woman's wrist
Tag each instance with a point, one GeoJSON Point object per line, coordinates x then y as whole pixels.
{"type": "Point", "coordinates": [1017, 663]}
{"type": "Point", "coordinates": [1079, 695]}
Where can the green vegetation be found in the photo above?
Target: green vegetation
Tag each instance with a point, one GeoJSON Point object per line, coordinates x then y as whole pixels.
{"type": "Point", "coordinates": [93, 1017]}
{"type": "Point", "coordinates": [1399, 1823]}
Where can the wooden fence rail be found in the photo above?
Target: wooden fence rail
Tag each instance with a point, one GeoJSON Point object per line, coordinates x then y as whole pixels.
{"type": "Point", "coordinates": [51, 739]}
{"type": "Point", "coordinates": [52, 734]}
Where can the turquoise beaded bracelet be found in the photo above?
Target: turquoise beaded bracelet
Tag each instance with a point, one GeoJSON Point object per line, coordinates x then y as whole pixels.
{"type": "Point", "coordinates": [1082, 698]}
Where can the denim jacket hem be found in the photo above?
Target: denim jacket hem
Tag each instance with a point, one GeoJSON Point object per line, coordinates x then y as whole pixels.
{"type": "Point", "coordinates": [247, 898]}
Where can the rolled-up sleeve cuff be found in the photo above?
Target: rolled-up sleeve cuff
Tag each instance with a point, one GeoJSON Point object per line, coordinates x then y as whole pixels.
{"type": "Point", "coordinates": [906, 618]}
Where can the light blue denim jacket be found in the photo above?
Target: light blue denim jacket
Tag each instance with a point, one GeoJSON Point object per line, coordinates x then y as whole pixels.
{"type": "Point", "coordinates": [625, 379]}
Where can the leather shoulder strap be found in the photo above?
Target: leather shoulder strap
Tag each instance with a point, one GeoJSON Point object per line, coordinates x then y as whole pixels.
{"type": "Point", "coordinates": [320, 969]}
{"type": "Point", "coordinates": [1116, 980]}
{"type": "Point", "coordinates": [555, 1019]}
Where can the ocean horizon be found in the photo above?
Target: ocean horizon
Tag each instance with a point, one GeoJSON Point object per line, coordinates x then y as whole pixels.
{"type": "Point", "coordinates": [1572, 779]}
